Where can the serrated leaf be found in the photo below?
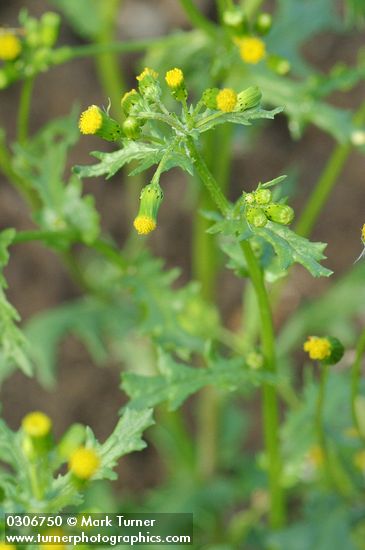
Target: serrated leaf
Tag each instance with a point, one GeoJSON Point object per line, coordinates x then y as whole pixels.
{"type": "Point", "coordinates": [147, 154]}
{"type": "Point", "coordinates": [176, 381]}
{"type": "Point", "coordinates": [237, 118]}
{"type": "Point", "coordinates": [126, 438]}
{"type": "Point", "coordinates": [291, 248]}
{"type": "Point", "coordinates": [13, 344]}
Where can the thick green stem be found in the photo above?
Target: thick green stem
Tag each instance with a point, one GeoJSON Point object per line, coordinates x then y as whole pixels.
{"type": "Point", "coordinates": [355, 384]}
{"type": "Point", "coordinates": [24, 109]}
{"type": "Point", "coordinates": [197, 19]}
{"type": "Point", "coordinates": [326, 182]}
{"type": "Point", "coordinates": [270, 400]}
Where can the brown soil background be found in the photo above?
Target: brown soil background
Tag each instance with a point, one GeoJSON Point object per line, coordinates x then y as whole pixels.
{"type": "Point", "coordinates": [37, 279]}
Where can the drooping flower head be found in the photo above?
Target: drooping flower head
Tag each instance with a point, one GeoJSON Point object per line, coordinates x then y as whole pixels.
{"type": "Point", "coordinates": [151, 198]}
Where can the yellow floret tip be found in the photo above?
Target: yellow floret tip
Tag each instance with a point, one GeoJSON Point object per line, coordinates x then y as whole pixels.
{"type": "Point", "coordinates": [144, 225]}
{"type": "Point", "coordinates": [36, 424]}
{"type": "Point", "coordinates": [174, 78]}
{"type": "Point", "coordinates": [10, 46]}
{"type": "Point", "coordinates": [315, 456]}
{"type": "Point", "coordinates": [91, 120]}
{"type": "Point", "coordinates": [363, 233]}
{"type": "Point", "coordinates": [226, 100]}
{"type": "Point", "coordinates": [317, 348]}
{"type": "Point", "coordinates": [252, 49]}
{"type": "Point", "coordinates": [84, 463]}
{"type": "Point", "coordinates": [359, 460]}
{"type": "Point", "coordinates": [147, 72]}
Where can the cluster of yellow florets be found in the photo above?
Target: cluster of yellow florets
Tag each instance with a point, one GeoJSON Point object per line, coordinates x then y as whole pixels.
{"type": "Point", "coordinates": [174, 78]}
{"type": "Point", "coordinates": [147, 72]}
{"type": "Point", "coordinates": [84, 463]}
{"type": "Point", "coordinates": [252, 49]}
{"type": "Point", "coordinates": [90, 120]}
{"type": "Point", "coordinates": [226, 100]}
{"type": "Point", "coordinates": [144, 225]}
{"type": "Point", "coordinates": [36, 424]}
{"type": "Point", "coordinates": [10, 45]}
{"type": "Point", "coordinates": [317, 348]}
{"type": "Point", "coordinates": [363, 233]}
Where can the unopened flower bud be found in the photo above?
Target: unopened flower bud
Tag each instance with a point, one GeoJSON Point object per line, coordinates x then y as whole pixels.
{"type": "Point", "coordinates": [279, 213]}
{"type": "Point", "coordinates": [280, 65]}
{"type": "Point", "coordinates": [249, 98]}
{"type": "Point", "coordinates": [132, 127]}
{"type": "Point", "coordinates": [263, 196]}
{"type": "Point", "coordinates": [256, 216]}
{"type": "Point", "coordinates": [263, 23]}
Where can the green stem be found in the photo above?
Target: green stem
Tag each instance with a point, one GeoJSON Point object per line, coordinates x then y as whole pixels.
{"type": "Point", "coordinates": [355, 383]}
{"type": "Point", "coordinates": [326, 182]}
{"type": "Point", "coordinates": [109, 70]}
{"type": "Point", "coordinates": [24, 109]}
{"type": "Point", "coordinates": [334, 472]}
{"type": "Point", "coordinates": [270, 400]}
{"type": "Point", "coordinates": [205, 175]}
{"type": "Point", "coordinates": [34, 482]}
{"type": "Point", "coordinates": [197, 19]}
{"type": "Point", "coordinates": [319, 419]}
{"type": "Point", "coordinates": [68, 53]}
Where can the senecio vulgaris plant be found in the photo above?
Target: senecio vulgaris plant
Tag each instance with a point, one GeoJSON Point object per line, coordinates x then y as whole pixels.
{"type": "Point", "coordinates": [255, 229]}
{"type": "Point", "coordinates": [254, 232]}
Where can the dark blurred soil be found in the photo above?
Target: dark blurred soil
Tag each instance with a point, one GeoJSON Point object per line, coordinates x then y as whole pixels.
{"type": "Point", "coordinates": [38, 280]}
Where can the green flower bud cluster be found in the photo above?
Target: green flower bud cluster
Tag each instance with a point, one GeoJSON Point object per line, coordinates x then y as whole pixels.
{"type": "Point", "coordinates": [259, 209]}
{"type": "Point", "coordinates": [236, 21]}
{"type": "Point", "coordinates": [28, 50]}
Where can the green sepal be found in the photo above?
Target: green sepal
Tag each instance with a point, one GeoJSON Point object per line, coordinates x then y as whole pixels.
{"type": "Point", "coordinates": [248, 98]}
{"type": "Point", "coordinates": [256, 216]}
{"type": "Point", "coordinates": [210, 98]}
{"type": "Point", "coordinates": [109, 130]}
{"type": "Point", "coordinates": [337, 351]}
{"type": "Point", "coordinates": [132, 128]}
{"type": "Point", "coordinates": [151, 198]}
{"type": "Point", "coordinates": [279, 213]}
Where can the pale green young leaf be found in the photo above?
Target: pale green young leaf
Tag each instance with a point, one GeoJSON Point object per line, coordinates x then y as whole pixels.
{"type": "Point", "coordinates": [175, 382]}
{"type": "Point", "coordinates": [245, 118]}
{"type": "Point", "coordinates": [291, 248]}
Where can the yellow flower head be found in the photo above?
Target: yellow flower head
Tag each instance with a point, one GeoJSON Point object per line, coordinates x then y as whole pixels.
{"type": "Point", "coordinates": [84, 463]}
{"type": "Point", "coordinates": [10, 45]}
{"type": "Point", "coordinates": [252, 49]}
{"type": "Point", "coordinates": [144, 225]}
{"type": "Point", "coordinates": [226, 100]}
{"type": "Point", "coordinates": [317, 348]}
{"type": "Point", "coordinates": [174, 78]}
{"type": "Point", "coordinates": [363, 233]}
{"type": "Point", "coordinates": [90, 120]}
{"type": "Point", "coordinates": [36, 424]}
{"type": "Point", "coordinates": [359, 460]}
{"type": "Point", "coordinates": [147, 72]}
